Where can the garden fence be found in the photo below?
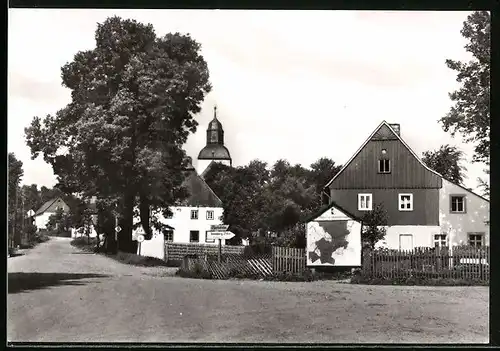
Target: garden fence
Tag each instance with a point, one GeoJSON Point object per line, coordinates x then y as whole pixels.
{"type": "Point", "coordinates": [464, 262]}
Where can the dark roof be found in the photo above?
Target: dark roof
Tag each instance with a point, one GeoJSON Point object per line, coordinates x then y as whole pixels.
{"type": "Point", "coordinates": [326, 208]}
{"type": "Point", "coordinates": [46, 205]}
{"type": "Point", "coordinates": [204, 173]}
{"type": "Point", "coordinates": [214, 152]}
{"type": "Point", "coordinates": [200, 194]}
{"type": "Point", "coordinates": [214, 124]}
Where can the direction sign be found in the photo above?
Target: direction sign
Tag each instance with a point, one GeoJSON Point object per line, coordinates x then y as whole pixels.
{"type": "Point", "coordinates": [118, 229]}
{"type": "Point", "coordinates": [219, 227]}
{"type": "Point", "coordinates": [31, 213]}
{"type": "Point", "coordinates": [220, 234]}
{"type": "Point", "coordinates": [140, 238]}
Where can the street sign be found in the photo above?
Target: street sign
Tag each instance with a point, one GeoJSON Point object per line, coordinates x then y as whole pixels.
{"type": "Point", "coordinates": [31, 213]}
{"type": "Point", "coordinates": [140, 238]}
{"type": "Point", "coordinates": [219, 227]}
{"type": "Point", "coordinates": [220, 234]}
{"type": "Point", "coordinates": [118, 229]}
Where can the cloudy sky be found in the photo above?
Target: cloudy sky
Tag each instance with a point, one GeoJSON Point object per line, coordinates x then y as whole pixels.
{"type": "Point", "coordinates": [298, 85]}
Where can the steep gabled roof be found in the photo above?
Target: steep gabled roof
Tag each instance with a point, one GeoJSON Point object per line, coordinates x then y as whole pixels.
{"type": "Point", "coordinates": [384, 123]}
{"type": "Point", "coordinates": [200, 194]}
{"type": "Point", "coordinates": [204, 173]}
{"type": "Point", "coordinates": [329, 206]}
{"type": "Point", "coordinates": [46, 205]}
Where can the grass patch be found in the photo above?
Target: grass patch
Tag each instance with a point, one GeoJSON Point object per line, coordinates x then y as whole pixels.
{"type": "Point", "coordinates": [422, 281]}
{"type": "Point", "coordinates": [90, 245]}
{"type": "Point", "coordinates": [136, 260]}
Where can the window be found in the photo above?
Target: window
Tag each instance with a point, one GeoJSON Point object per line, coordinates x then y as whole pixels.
{"type": "Point", "coordinates": [457, 204]}
{"type": "Point", "coordinates": [364, 202]}
{"type": "Point", "coordinates": [168, 235]}
{"type": "Point", "coordinates": [476, 239]}
{"type": "Point", "coordinates": [406, 202]}
{"type": "Point", "coordinates": [210, 215]}
{"type": "Point", "coordinates": [440, 240]}
{"type": "Point", "coordinates": [194, 236]}
{"type": "Point", "coordinates": [194, 214]}
{"type": "Point", "coordinates": [207, 239]}
{"type": "Point", "coordinates": [170, 215]}
{"type": "Point", "coordinates": [384, 166]}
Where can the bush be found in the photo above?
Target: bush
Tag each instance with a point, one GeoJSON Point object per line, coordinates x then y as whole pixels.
{"type": "Point", "coordinates": [196, 272]}
{"type": "Point", "coordinates": [85, 244]}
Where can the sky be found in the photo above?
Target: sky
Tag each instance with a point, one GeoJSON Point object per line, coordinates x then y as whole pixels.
{"type": "Point", "coordinates": [298, 85]}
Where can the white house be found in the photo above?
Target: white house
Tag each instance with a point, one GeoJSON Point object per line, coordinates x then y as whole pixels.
{"type": "Point", "coordinates": [49, 208]}
{"type": "Point", "coordinates": [190, 221]}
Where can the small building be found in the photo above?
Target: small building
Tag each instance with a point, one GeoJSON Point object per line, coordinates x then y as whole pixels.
{"type": "Point", "coordinates": [48, 209]}
{"type": "Point", "coordinates": [333, 238]}
{"type": "Point", "coordinates": [424, 209]}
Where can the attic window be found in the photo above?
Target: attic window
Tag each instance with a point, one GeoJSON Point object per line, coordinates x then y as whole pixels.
{"type": "Point", "coordinates": [384, 166]}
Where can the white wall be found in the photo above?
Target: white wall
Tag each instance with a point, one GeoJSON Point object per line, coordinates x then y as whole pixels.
{"type": "Point", "coordinates": [42, 220]}
{"type": "Point", "coordinates": [182, 224]}
{"type": "Point", "coordinates": [422, 235]}
{"type": "Point", "coordinates": [458, 225]}
{"type": "Point", "coordinates": [203, 164]}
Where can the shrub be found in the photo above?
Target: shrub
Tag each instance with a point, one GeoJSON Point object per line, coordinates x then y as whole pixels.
{"type": "Point", "coordinates": [196, 272]}
{"type": "Point", "coordinates": [306, 276]}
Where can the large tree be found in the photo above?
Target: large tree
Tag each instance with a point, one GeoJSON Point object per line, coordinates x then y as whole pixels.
{"type": "Point", "coordinates": [470, 114]}
{"type": "Point", "coordinates": [447, 161]}
{"type": "Point", "coordinates": [120, 138]}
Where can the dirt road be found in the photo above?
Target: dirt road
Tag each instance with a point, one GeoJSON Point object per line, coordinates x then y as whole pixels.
{"type": "Point", "coordinates": [57, 293]}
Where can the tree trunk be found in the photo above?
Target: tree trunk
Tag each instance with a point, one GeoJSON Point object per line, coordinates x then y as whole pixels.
{"type": "Point", "coordinates": [125, 242]}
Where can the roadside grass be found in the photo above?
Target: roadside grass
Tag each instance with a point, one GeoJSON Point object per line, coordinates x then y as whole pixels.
{"type": "Point", "coordinates": [421, 281]}
{"type": "Point", "coordinates": [90, 245]}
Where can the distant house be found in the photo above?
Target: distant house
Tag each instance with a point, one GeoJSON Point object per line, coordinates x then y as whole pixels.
{"type": "Point", "coordinates": [48, 209]}
{"type": "Point", "coordinates": [424, 209]}
{"type": "Point", "coordinates": [191, 219]}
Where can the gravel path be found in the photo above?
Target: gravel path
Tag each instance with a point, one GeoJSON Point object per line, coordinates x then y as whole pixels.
{"type": "Point", "coordinates": [56, 293]}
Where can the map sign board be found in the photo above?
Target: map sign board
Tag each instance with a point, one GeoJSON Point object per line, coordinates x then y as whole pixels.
{"type": "Point", "coordinates": [333, 239]}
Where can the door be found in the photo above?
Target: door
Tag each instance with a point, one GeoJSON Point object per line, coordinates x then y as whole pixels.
{"type": "Point", "coordinates": [406, 242]}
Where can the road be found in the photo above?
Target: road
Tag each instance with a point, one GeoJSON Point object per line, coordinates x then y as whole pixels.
{"type": "Point", "coordinates": [58, 294]}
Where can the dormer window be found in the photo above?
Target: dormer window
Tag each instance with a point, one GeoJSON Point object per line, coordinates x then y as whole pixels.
{"type": "Point", "coordinates": [384, 166]}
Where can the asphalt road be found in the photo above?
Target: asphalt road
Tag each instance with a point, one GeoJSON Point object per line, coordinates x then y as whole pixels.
{"type": "Point", "coordinates": [58, 294]}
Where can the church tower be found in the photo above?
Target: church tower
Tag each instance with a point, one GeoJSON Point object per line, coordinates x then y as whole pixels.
{"type": "Point", "coordinates": [214, 151]}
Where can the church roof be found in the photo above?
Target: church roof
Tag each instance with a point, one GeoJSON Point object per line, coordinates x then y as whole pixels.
{"type": "Point", "coordinates": [200, 194]}
{"type": "Point", "coordinates": [214, 152]}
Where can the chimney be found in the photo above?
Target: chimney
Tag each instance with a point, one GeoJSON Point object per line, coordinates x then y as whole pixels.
{"type": "Point", "coordinates": [396, 128]}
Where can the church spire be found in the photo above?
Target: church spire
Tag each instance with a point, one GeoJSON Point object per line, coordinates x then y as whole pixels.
{"type": "Point", "coordinates": [215, 133]}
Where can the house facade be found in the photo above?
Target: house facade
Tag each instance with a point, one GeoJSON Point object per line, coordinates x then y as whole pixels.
{"type": "Point", "coordinates": [49, 208]}
{"type": "Point", "coordinates": [423, 208]}
{"type": "Point", "coordinates": [190, 220]}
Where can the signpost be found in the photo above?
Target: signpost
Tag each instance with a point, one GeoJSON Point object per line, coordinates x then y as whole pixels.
{"type": "Point", "coordinates": [219, 231]}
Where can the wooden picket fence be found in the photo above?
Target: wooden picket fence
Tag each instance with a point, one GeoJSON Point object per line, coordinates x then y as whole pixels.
{"type": "Point", "coordinates": [282, 259]}
{"type": "Point", "coordinates": [290, 260]}
{"type": "Point", "coordinates": [464, 262]}
{"type": "Point", "coordinates": [231, 265]}
{"type": "Point", "coordinates": [177, 251]}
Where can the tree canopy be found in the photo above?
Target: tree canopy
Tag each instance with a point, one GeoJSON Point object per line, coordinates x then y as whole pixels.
{"type": "Point", "coordinates": [258, 198]}
{"type": "Point", "coordinates": [447, 162]}
{"type": "Point", "coordinates": [133, 101]}
{"type": "Point", "coordinates": [470, 114]}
